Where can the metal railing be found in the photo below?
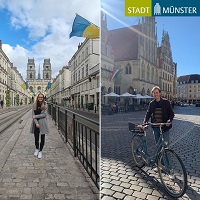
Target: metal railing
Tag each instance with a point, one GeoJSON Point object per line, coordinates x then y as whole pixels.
{"type": "Point", "coordinates": [82, 134]}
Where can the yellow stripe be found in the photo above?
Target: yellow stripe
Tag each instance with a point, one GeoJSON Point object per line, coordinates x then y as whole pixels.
{"type": "Point", "coordinates": [91, 32]}
{"type": "Point", "coordinates": [23, 86]}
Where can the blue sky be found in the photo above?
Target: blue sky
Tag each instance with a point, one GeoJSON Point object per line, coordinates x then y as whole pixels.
{"type": "Point", "coordinates": [184, 34]}
{"type": "Point", "coordinates": [31, 29]}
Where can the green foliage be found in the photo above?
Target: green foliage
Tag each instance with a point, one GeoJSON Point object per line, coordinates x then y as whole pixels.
{"type": "Point", "coordinates": [90, 106]}
{"type": "Point", "coordinates": [17, 99]}
{"type": "Point", "coordinates": [8, 98]}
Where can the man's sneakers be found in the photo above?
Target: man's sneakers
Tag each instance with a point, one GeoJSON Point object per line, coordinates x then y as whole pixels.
{"type": "Point", "coordinates": [36, 152]}
{"type": "Point", "coordinates": [40, 155]}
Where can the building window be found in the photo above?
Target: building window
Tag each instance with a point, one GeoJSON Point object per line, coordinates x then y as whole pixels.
{"type": "Point", "coordinates": [86, 51]}
{"type": "Point", "coordinates": [128, 69]}
{"type": "Point", "coordinates": [79, 75]}
{"type": "Point", "coordinates": [31, 76]}
{"type": "Point", "coordinates": [83, 72]}
{"type": "Point", "coordinates": [86, 71]}
{"type": "Point", "coordinates": [31, 88]}
{"type": "Point", "coordinates": [39, 88]}
{"type": "Point", "coordinates": [47, 75]}
{"type": "Point", "coordinates": [192, 81]}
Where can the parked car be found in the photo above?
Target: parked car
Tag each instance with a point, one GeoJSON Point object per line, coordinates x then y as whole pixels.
{"type": "Point", "coordinates": [183, 104]}
{"type": "Point", "coordinates": [198, 104]}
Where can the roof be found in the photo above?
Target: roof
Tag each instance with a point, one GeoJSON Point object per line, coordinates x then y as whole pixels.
{"type": "Point", "coordinates": [189, 78]}
{"type": "Point", "coordinates": [124, 42]}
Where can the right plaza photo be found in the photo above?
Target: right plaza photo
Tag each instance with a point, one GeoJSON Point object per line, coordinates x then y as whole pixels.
{"type": "Point", "coordinates": [150, 99]}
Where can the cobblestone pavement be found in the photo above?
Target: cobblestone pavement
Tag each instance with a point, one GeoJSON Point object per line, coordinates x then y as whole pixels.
{"type": "Point", "coordinates": [120, 179]}
{"type": "Point", "coordinates": [58, 175]}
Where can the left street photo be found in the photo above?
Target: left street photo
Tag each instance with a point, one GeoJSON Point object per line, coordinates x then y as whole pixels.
{"type": "Point", "coordinates": [49, 95]}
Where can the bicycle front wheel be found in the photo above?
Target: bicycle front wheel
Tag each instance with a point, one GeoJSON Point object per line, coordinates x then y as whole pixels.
{"type": "Point", "coordinates": [137, 147]}
{"type": "Point", "coordinates": [172, 173]}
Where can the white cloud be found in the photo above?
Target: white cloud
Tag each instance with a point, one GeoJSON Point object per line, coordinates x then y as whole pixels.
{"type": "Point", "coordinates": [49, 24]}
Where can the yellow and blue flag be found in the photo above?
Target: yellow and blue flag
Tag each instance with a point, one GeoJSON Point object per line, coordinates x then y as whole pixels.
{"type": "Point", "coordinates": [49, 85]}
{"type": "Point", "coordinates": [83, 28]}
{"type": "Point", "coordinates": [52, 86]}
{"type": "Point", "coordinates": [25, 85]}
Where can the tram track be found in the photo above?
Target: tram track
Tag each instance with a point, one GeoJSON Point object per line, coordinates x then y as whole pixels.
{"type": "Point", "coordinates": [9, 118]}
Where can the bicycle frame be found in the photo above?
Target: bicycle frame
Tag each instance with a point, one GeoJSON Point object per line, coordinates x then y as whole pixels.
{"type": "Point", "coordinates": [160, 146]}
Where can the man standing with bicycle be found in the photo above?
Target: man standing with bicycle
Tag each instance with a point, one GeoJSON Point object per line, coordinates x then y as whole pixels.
{"type": "Point", "coordinates": [160, 111]}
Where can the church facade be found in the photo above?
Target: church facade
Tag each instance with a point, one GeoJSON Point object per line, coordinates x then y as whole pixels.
{"type": "Point", "coordinates": [38, 84]}
{"type": "Point", "coordinates": [142, 61]}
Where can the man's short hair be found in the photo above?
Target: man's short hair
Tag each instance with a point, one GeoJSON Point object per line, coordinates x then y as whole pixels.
{"type": "Point", "coordinates": [156, 87]}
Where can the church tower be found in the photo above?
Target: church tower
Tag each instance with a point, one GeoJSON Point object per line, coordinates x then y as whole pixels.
{"type": "Point", "coordinates": [31, 70]}
{"type": "Point", "coordinates": [47, 69]}
{"type": "Point", "coordinates": [148, 40]}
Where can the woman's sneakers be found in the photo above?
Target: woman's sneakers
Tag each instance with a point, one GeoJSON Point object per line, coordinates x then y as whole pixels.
{"type": "Point", "coordinates": [40, 154]}
{"type": "Point", "coordinates": [36, 152]}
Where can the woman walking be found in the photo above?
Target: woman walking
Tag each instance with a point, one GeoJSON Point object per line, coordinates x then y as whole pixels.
{"type": "Point", "coordinates": [39, 124]}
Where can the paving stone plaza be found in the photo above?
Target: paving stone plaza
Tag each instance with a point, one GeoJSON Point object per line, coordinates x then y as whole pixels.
{"type": "Point", "coordinates": [121, 179]}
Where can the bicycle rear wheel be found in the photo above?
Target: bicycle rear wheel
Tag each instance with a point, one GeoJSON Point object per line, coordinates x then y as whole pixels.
{"type": "Point", "coordinates": [172, 173]}
{"type": "Point", "coordinates": [137, 146]}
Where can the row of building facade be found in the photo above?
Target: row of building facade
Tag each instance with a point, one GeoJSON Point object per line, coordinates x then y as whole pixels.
{"type": "Point", "coordinates": [11, 91]}
{"type": "Point", "coordinates": [77, 84]}
{"type": "Point", "coordinates": [188, 88]}
{"type": "Point", "coordinates": [134, 50]}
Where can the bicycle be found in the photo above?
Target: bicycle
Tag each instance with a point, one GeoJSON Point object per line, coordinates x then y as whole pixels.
{"type": "Point", "coordinates": [170, 167]}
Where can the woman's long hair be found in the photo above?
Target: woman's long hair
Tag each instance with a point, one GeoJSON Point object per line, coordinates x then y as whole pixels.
{"type": "Point", "coordinates": [42, 103]}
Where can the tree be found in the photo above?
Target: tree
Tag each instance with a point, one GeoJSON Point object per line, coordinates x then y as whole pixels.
{"type": "Point", "coordinates": [17, 99]}
{"type": "Point", "coordinates": [8, 98]}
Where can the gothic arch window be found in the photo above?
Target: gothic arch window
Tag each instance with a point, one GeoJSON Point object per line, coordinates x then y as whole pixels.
{"type": "Point", "coordinates": [31, 88]}
{"type": "Point", "coordinates": [148, 73]}
{"type": "Point", "coordinates": [47, 75]}
{"type": "Point", "coordinates": [39, 88]}
{"type": "Point", "coordinates": [152, 75]}
{"type": "Point", "coordinates": [143, 91]}
{"type": "Point", "coordinates": [31, 75]}
{"type": "Point", "coordinates": [143, 72]}
{"type": "Point", "coordinates": [128, 69]}
{"type": "Point", "coordinates": [131, 90]}
{"type": "Point", "coordinates": [109, 90]}
{"type": "Point", "coordinates": [103, 90]}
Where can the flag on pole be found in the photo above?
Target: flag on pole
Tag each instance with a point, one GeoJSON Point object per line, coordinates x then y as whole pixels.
{"type": "Point", "coordinates": [49, 85]}
{"type": "Point", "coordinates": [83, 28]}
{"type": "Point", "coordinates": [52, 86]}
{"type": "Point", "coordinates": [114, 74]}
{"type": "Point", "coordinates": [25, 85]}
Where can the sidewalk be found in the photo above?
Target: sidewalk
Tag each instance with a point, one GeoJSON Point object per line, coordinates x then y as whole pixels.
{"type": "Point", "coordinates": [58, 175]}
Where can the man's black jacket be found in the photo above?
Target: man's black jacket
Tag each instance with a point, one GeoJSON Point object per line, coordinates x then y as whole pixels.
{"type": "Point", "coordinates": [167, 112]}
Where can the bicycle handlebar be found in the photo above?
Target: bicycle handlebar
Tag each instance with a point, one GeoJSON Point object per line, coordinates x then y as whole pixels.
{"type": "Point", "coordinates": [158, 124]}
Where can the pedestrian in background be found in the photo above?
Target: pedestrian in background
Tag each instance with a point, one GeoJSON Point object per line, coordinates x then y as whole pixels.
{"type": "Point", "coordinates": [39, 124]}
{"type": "Point", "coordinates": [2, 104]}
